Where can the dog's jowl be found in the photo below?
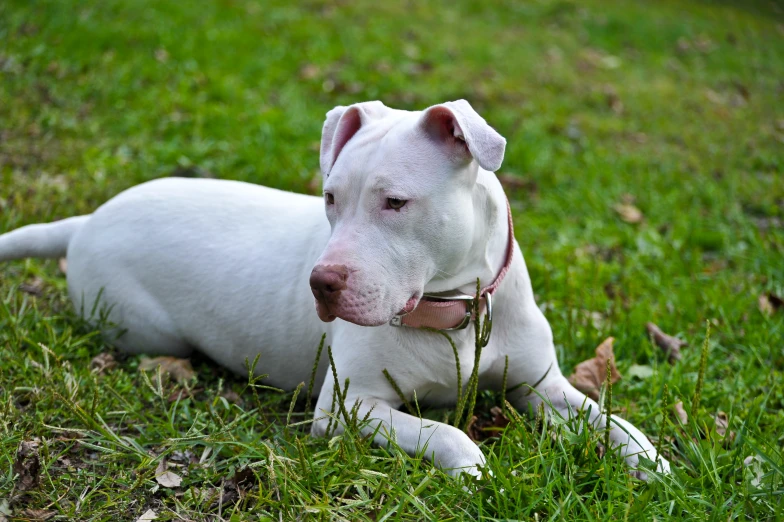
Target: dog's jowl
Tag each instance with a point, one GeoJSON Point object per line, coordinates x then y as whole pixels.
{"type": "Point", "coordinates": [414, 216]}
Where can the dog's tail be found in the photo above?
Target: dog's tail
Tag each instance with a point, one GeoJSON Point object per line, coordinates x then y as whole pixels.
{"type": "Point", "coordinates": [49, 240]}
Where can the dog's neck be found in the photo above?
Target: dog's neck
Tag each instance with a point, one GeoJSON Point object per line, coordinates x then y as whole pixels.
{"type": "Point", "coordinates": [490, 240]}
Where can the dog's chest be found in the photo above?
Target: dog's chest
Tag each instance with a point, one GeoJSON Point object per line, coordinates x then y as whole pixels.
{"type": "Point", "coordinates": [438, 371]}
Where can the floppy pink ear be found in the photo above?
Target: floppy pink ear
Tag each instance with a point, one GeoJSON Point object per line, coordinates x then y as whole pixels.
{"type": "Point", "coordinates": [465, 132]}
{"type": "Point", "coordinates": [341, 125]}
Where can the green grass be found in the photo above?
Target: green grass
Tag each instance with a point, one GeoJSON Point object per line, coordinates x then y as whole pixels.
{"type": "Point", "coordinates": [678, 104]}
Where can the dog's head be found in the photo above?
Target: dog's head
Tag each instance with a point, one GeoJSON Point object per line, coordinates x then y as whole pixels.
{"type": "Point", "coordinates": [398, 193]}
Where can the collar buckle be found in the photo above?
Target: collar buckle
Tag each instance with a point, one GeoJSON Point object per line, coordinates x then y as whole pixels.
{"type": "Point", "coordinates": [469, 305]}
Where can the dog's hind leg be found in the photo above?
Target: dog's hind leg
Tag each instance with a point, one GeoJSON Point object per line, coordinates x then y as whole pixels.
{"type": "Point", "coordinates": [154, 341]}
{"type": "Point", "coordinates": [137, 325]}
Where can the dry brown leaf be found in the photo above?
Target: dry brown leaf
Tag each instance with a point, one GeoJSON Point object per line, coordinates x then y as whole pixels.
{"type": "Point", "coordinates": [315, 183]}
{"type": "Point", "coordinates": [480, 429]}
{"type": "Point", "coordinates": [34, 286]}
{"type": "Point", "coordinates": [147, 516]}
{"type": "Point", "coordinates": [166, 478]}
{"type": "Point", "coordinates": [227, 498]}
{"type": "Point", "coordinates": [628, 212]}
{"type": "Point", "coordinates": [765, 306]}
{"type": "Point", "coordinates": [231, 396]}
{"type": "Point", "coordinates": [180, 369]}
{"type": "Point", "coordinates": [722, 423]}
{"type": "Point", "coordinates": [669, 344]}
{"type": "Point", "coordinates": [242, 477]}
{"type": "Point", "coordinates": [768, 303]}
{"type": "Point", "coordinates": [589, 375]}
{"type": "Point", "coordinates": [102, 363]}
{"type": "Point", "coordinates": [62, 264]}
{"type": "Point", "coordinates": [514, 182]}
{"type": "Point", "coordinates": [680, 412]}
{"type": "Point", "coordinates": [183, 394]}
{"type": "Point", "coordinates": [37, 514]}
{"type": "Point", "coordinates": [309, 71]}
{"type": "Point", "coordinates": [190, 171]}
{"type": "Point", "coordinates": [612, 99]}
{"type": "Point", "coordinates": [27, 464]}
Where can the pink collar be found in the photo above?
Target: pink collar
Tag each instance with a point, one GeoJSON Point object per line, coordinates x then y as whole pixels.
{"type": "Point", "coordinates": [452, 310]}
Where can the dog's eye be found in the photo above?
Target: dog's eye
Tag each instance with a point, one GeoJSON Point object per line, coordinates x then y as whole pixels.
{"type": "Point", "coordinates": [395, 203]}
{"type": "Point", "coordinates": [330, 199]}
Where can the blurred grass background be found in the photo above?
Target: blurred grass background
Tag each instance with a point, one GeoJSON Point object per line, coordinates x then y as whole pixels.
{"type": "Point", "coordinates": [675, 108]}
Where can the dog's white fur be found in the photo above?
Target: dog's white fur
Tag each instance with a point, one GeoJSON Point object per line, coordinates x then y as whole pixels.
{"type": "Point", "coordinates": [223, 267]}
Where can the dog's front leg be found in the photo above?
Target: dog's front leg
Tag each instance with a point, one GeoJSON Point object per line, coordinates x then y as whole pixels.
{"type": "Point", "coordinates": [447, 446]}
{"type": "Point", "coordinates": [556, 393]}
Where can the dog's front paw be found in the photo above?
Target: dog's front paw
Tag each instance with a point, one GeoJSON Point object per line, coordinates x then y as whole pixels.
{"type": "Point", "coordinates": [466, 459]}
{"type": "Point", "coordinates": [661, 465]}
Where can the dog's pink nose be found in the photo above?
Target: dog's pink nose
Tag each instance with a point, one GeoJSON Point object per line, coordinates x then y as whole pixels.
{"type": "Point", "coordinates": [327, 281]}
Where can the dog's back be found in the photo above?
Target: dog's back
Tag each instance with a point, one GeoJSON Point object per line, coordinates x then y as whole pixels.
{"type": "Point", "coordinates": [184, 263]}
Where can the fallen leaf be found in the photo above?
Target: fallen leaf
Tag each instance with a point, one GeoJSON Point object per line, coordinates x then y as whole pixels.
{"type": "Point", "coordinates": [230, 395]}
{"type": "Point", "coordinates": [227, 498]}
{"type": "Point", "coordinates": [484, 428]}
{"type": "Point", "coordinates": [315, 184]}
{"type": "Point", "coordinates": [147, 516]}
{"type": "Point", "coordinates": [765, 306]}
{"type": "Point", "coordinates": [234, 488]}
{"type": "Point", "coordinates": [755, 470]}
{"type": "Point", "coordinates": [670, 345]}
{"type": "Point", "coordinates": [180, 369]}
{"type": "Point", "coordinates": [33, 287]}
{"type": "Point", "coordinates": [612, 99]}
{"type": "Point", "coordinates": [182, 393]}
{"type": "Point", "coordinates": [589, 375]}
{"type": "Point", "coordinates": [166, 478]}
{"type": "Point", "coordinates": [309, 71]}
{"type": "Point", "coordinates": [62, 264]}
{"type": "Point", "coordinates": [641, 371]}
{"type": "Point", "coordinates": [27, 464]}
{"type": "Point", "coordinates": [722, 422]}
{"type": "Point", "coordinates": [595, 58]}
{"type": "Point", "coordinates": [190, 171]}
{"type": "Point", "coordinates": [714, 97]}
{"type": "Point", "coordinates": [768, 303]}
{"type": "Point", "coordinates": [515, 182]}
{"type": "Point", "coordinates": [37, 514]}
{"type": "Point", "coordinates": [102, 362]}
{"type": "Point", "coordinates": [748, 461]}
{"type": "Point", "coordinates": [183, 457]}
{"type": "Point", "coordinates": [5, 509]}
{"type": "Point", "coordinates": [242, 477]}
{"type": "Point", "coordinates": [704, 44]}
{"type": "Point", "coordinates": [628, 212]}
{"type": "Point", "coordinates": [680, 412]}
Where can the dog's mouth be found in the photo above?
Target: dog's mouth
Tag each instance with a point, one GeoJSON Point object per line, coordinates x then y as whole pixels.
{"type": "Point", "coordinates": [323, 311]}
{"type": "Point", "coordinates": [411, 304]}
{"type": "Point", "coordinates": [329, 311]}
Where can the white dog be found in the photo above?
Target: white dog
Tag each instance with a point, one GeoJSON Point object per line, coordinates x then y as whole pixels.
{"type": "Point", "coordinates": [414, 216]}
